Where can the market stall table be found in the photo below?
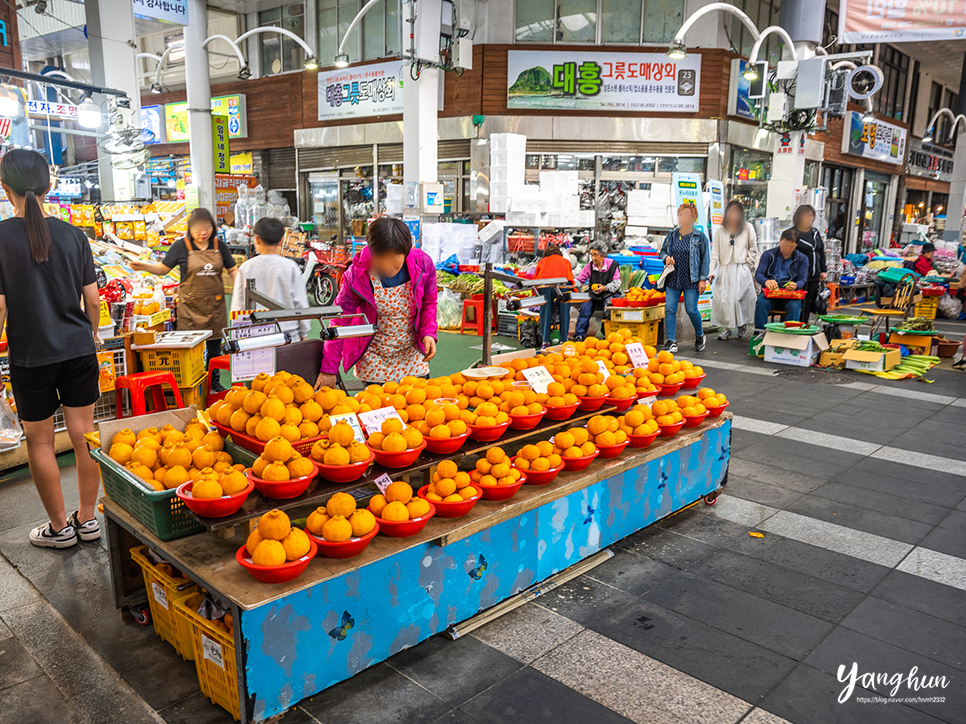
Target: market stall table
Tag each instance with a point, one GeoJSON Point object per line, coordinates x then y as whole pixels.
{"type": "Point", "coordinates": [339, 617]}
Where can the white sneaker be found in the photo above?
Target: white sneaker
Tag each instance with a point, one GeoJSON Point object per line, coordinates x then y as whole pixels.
{"type": "Point", "coordinates": [91, 530]}
{"type": "Point", "coordinates": [45, 536]}
{"type": "Point", "coordinates": [725, 335]}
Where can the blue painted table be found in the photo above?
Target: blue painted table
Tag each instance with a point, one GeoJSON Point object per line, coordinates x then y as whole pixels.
{"type": "Point", "coordinates": [294, 640]}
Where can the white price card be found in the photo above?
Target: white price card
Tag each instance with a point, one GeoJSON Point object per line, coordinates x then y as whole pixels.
{"type": "Point", "coordinates": [248, 365]}
{"type": "Point", "coordinates": [353, 421]}
{"type": "Point", "coordinates": [538, 377]}
{"type": "Point", "coordinates": [373, 419]}
{"type": "Point", "coordinates": [569, 350]}
{"type": "Point", "coordinates": [603, 369]}
{"type": "Point", "coordinates": [635, 351]}
{"type": "Point", "coordinates": [647, 401]}
{"type": "Point", "coordinates": [160, 595]}
{"type": "Point", "coordinates": [211, 650]}
{"type": "Point", "coordinates": [383, 482]}
{"type": "Point", "coordinates": [636, 316]}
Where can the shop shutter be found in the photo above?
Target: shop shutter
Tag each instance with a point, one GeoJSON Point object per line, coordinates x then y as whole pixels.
{"type": "Point", "coordinates": [617, 147]}
{"type": "Point", "coordinates": [278, 168]}
{"type": "Point", "coordinates": [311, 159]}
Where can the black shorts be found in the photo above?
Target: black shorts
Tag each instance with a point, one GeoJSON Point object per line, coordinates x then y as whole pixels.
{"type": "Point", "coordinates": [39, 391]}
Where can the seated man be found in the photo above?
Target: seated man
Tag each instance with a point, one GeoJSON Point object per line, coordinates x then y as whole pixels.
{"type": "Point", "coordinates": [781, 267]}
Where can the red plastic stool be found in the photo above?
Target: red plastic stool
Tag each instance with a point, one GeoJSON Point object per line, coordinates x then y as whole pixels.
{"type": "Point", "coordinates": [216, 363]}
{"type": "Point", "coordinates": [476, 324]}
{"type": "Point", "coordinates": [833, 300]}
{"type": "Point", "coordinates": [138, 384]}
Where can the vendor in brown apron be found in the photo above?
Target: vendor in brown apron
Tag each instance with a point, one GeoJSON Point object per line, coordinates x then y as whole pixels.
{"type": "Point", "coordinates": [201, 258]}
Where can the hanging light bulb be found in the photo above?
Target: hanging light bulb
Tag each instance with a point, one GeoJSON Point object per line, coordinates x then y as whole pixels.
{"type": "Point", "coordinates": [89, 114]}
{"type": "Point", "coordinates": [9, 102]}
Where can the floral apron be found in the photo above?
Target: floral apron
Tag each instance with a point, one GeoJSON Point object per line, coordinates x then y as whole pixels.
{"type": "Point", "coordinates": [392, 354]}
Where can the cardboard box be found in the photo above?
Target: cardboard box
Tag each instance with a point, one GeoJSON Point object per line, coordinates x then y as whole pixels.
{"type": "Point", "coordinates": [797, 350]}
{"type": "Point", "coordinates": [872, 361]}
{"type": "Point", "coordinates": [836, 359]}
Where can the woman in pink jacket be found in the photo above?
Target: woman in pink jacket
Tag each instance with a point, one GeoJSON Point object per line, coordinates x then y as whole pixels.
{"type": "Point", "coordinates": [393, 286]}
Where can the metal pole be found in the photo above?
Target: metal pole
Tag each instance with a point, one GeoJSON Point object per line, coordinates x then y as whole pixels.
{"type": "Point", "coordinates": [487, 313]}
{"type": "Point", "coordinates": [198, 85]}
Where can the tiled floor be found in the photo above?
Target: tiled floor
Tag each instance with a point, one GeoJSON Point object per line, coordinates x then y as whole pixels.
{"type": "Point", "coordinates": [859, 492]}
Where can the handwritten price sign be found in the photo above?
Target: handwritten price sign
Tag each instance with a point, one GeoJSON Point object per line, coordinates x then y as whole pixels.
{"type": "Point", "coordinates": [635, 351]}
{"type": "Point", "coordinates": [603, 369]}
{"type": "Point", "coordinates": [373, 419]}
{"type": "Point", "coordinates": [538, 377]}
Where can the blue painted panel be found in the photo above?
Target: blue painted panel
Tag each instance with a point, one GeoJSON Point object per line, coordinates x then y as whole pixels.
{"type": "Point", "coordinates": [311, 640]}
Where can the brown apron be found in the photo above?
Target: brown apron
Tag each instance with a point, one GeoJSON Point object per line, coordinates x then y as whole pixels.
{"type": "Point", "coordinates": [201, 294]}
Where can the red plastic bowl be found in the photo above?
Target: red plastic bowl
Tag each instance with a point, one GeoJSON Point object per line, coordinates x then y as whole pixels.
{"type": "Point", "coordinates": [344, 549]}
{"type": "Point", "coordinates": [691, 383]}
{"type": "Point", "coordinates": [502, 492]}
{"type": "Point", "coordinates": [445, 445]}
{"type": "Point", "coordinates": [642, 441]}
{"type": "Point", "coordinates": [670, 430]}
{"type": "Point", "coordinates": [277, 574]}
{"type": "Point", "coordinates": [451, 510]}
{"type": "Point", "coordinates": [527, 422]}
{"type": "Point", "coordinates": [213, 507]}
{"type": "Point", "coordinates": [649, 393]}
{"type": "Point", "coordinates": [404, 528]}
{"type": "Point", "coordinates": [563, 412]}
{"type": "Point", "coordinates": [397, 459]}
{"type": "Point", "coordinates": [572, 465]}
{"type": "Point", "coordinates": [694, 420]}
{"type": "Point", "coordinates": [486, 434]}
{"type": "Point", "coordinates": [539, 477]}
{"type": "Point", "coordinates": [589, 404]}
{"type": "Point", "coordinates": [621, 405]}
{"type": "Point", "coordinates": [612, 451]}
{"type": "Point", "coordinates": [283, 489]}
{"type": "Point", "coordinates": [716, 410]}
{"type": "Point", "coordinates": [668, 390]}
{"type": "Point", "coordinates": [619, 302]}
{"type": "Point", "coordinates": [344, 473]}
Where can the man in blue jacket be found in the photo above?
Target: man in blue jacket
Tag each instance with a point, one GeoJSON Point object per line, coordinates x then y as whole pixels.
{"type": "Point", "coordinates": [781, 267]}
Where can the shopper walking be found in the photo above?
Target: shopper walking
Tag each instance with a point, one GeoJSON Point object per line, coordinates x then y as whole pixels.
{"type": "Point", "coordinates": [604, 277]}
{"type": "Point", "coordinates": [810, 244]}
{"type": "Point", "coordinates": [391, 286]}
{"type": "Point", "coordinates": [200, 257]}
{"type": "Point", "coordinates": [688, 251]}
{"type": "Point", "coordinates": [734, 258]}
{"type": "Point", "coordinates": [554, 266]}
{"type": "Point", "coordinates": [46, 268]}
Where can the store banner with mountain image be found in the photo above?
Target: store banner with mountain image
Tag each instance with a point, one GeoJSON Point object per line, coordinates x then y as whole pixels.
{"type": "Point", "coordinates": [590, 80]}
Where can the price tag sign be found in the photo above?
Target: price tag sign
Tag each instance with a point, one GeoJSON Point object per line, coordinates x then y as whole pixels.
{"type": "Point", "coordinates": [248, 365]}
{"type": "Point", "coordinates": [603, 369]}
{"type": "Point", "coordinates": [635, 316]}
{"type": "Point", "coordinates": [569, 350]}
{"type": "Point", "coordinates": [105, 314]}
{"type": "Point", "coordinates": [160, 595]}
{"type": "Point", "coordinates": [353, 421]}
{"type": "Point", "coordinates": [383, 482]}
{"type": "Point", "coordinates": [211, 650]}
{"type": "Point", "coordinates": [635, 351]}
{"type": "Point", "coordinates": [538, 377]}
{"type": "Point", "coordinates": [647, 401]}
{"type": "Point", "coordinates": [373, 419]}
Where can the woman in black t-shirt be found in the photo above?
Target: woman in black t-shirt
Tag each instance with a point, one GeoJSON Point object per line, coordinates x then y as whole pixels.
{"type": "Point", "coordinates": [46, 268]}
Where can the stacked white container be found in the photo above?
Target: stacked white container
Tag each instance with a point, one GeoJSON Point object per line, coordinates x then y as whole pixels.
{"type": "Point", "coordinates": [508, 160]}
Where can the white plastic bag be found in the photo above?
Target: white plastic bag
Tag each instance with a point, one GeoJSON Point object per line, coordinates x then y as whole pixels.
{"type": "Point", "coordinates": [950, 307]}
{"type": "Point", "coordinates": [449, 310]}
{"type": "Point", "coordinates": [10, 430]}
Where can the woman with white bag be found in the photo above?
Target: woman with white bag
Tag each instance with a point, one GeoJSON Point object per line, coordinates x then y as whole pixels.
{"type": "Point", "coordinates": [734, 257]}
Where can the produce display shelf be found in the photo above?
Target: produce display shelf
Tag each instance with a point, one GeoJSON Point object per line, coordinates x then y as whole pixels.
{"type": "Point", "coordinates": [321, 490]}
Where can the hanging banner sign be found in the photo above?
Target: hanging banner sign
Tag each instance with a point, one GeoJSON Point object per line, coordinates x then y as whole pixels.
{"type": "Point", "coordinates": [594, 81]}
{"type": "Point", "coordinates": [226, 191]}
{"type": "Point", "coordinates": [169, 11]}
{"type": "Point", "coordinates": [687, 188]}
{"type": "Point", "coordinates": [929, 161]}
{"type": "Point", "coordinates": [152, 124]}
{"type": "Point", "coordinates": [740, 102]}
{"type": "Point", "coordinates": [242, 163]}
{"type": "Point", "coordinates": [53, 110]}
{"type": "Point", "coordinates": [900, 21]}
{"type": "Point", "coordinates": [715, 191]}
{"type": "Point", "coordinates": [219, 137]}
{"type": "Point", "coordinates": [877, 139]}
{"type": "Point", "coordinates": [366, 90]}
{"type": "Point", "coordinates": [233, 106]}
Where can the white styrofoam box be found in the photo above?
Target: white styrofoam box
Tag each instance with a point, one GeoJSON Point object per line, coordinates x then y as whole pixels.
{"type": "Point", "coordinates": [519, 218]}
{"type": "Point", "coordinates": [498, 204]}
{"type": "Point", "coordinates": [586, 217]}
{"type": "Point", "coordinates": [637, 200]}
{"type": "Point", "coordinates": [559, 181]}
{"type": "Point", "coordinates": [570, 218]}
{"type": "Point", "coordinates": [660, 192]}
{"type": "Point", "coordinates": [507, 174]}
{"type": "Point", "coordinates": [636, 231]}
{"type": "Point", "coordinates": [637, 219]}
{"type": "Point", "coordinates": [491, 231]}
{"type": "Point", "coordinates": [508, 141]}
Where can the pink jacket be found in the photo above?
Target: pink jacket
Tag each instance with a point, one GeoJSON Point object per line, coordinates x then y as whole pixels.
{"type": "Point", "coordinates": [357, 297]}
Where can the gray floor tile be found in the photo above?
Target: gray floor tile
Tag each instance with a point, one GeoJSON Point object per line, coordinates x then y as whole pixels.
{"type": "Point", "coordinates": [584, 599]}
{"type": "Point", "coordinates": [728, 662]}
{"type": "Point", "coordinates": [860, 518]}
{"type": "Point", "coordinates": [810, 696]}
{"type": "Point", "coordinates": [881, 502]}
{"type": "Point", "coordinates": [37, 700]}
{"type": "Point", "coordinates": [877, 483]}
{"type": "Point", "coordinates": [698, 524]}
{"type": "Point", "coordinates": [781, 629]}
{"type": "Point", "coordinates": [758, 492]}
{"type": "Point", "coordinates": [933, 439]}
{"type": "Point", "coordinates": [16, 665]}
{"type": "Point", "coordinates": [923, 595]}
{"type": "Point", "coordinates": [838, 568]}
{"type": "Point", "coordinates": [528, 632]}
{"type": "Point", "coordinates": [786, 587]}
{"type": "Point", "coordinates": [661, 545]}
{"type": "Point", "coordinates": [912, 473]}
{"type": "Point", "coordinates": [455, 671]}
{"type": "Point", "coordinates": [955, 521]}
{"type": "Point", "coordinates": [631, 572]}
{"type": "Point", "coordinates": [932, 637]}
{"type": "Point", "coordinates": [845, 647]}
{"type": "Point", "coordinates": [796, 479]}
{"type": "Point", "coordinates": [21, 504]}
{"type": "Point", "coordinates": [945, 540]}
{"type": "Point", "coordinates": [778, 409]}
{"type": "Point", "coordinates": [740, 439]}
{"type": "Point", "coordinates": [196, 709]}
{"type": "Point", "coordinates": [15, 589]}
{"type": "Point", "coordinates": [452, 717]}
{"type": "Point", "coordinates": [880, 431]}
{"type": "Point", "coordinates": [378, 695]}
{"type": "Point", "coordinates": [529, 696]}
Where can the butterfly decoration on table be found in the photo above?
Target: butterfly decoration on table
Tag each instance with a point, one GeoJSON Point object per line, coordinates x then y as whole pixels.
{"type": "Point", "coordinates": [725, 451]}
{"type": "Point", "coordinates": [663, 483]}
{"type": "Point", "coordinates": [340, 632]}
{"type": "Point", "coordinates": [590, 515]}
{"type": "Point", "coordinates": [477, 573]}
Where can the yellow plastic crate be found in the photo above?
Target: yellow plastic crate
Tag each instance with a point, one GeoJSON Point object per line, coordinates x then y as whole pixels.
{"type": "Point", "coordinates": [187, 365]}
{"type": "Point", "coordinates": [214, 652]}
{"type": "Point", "coordinates": [926, 308]}
{"type": "Point", "coordinates": [194, 395]}
{"type": "Point", "coordinates": [647, 331]}
{"type": "Point", "coordinates": [163, 594]}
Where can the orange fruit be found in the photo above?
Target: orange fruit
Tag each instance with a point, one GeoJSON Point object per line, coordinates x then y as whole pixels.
{"type": "Point", "coordinates": [278, 449]}
{"type": "Point", "coordinates": [395, 511]}
{"type": "Point", "coordinates": [399, 492]}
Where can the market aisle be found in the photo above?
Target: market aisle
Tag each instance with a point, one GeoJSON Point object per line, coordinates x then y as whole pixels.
{"type": "Point", "coordinates": [863, 559]}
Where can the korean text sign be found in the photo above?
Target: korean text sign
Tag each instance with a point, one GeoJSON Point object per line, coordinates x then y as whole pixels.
{"type": "Point", "coordinates": [877, 140]}
{"type": "Point", "coordinates": [897, 21]}
{"type": "Point", "coordinates": [219, 134]}
{"type": "Point", "coordinates": [170, 11]}
{"type": "Point", "coordinates": [594, 81]}
{"type": "Point", "coordinates": [365, 90]}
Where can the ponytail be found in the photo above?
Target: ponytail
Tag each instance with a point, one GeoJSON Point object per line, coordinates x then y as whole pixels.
{"type": "Point", "coordinates": [35, 227]}
{"type": "Point", "coordinates": [26, 174]}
